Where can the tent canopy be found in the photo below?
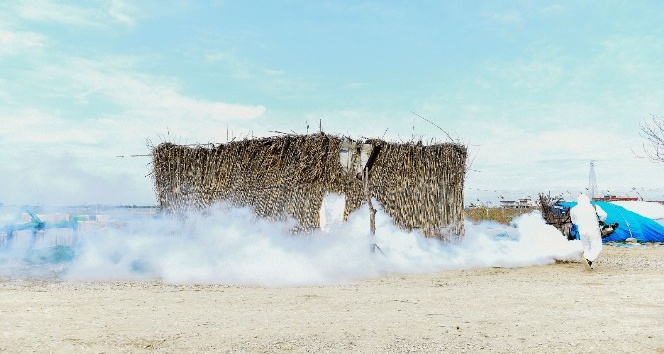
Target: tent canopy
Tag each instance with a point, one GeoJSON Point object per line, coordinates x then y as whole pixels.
{"type": "Point", "coordinates": [630, 223]}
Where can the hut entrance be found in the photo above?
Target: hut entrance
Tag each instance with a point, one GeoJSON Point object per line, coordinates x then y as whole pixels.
{"type": "Point", "coordinates": [332, 211]}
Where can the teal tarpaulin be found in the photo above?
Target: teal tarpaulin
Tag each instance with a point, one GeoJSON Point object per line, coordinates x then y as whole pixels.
{"type": "Point", "coordinates": [631, 224]}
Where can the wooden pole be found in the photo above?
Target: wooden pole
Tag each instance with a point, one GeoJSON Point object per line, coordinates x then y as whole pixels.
{"type": "Point", "coordinates": [372, 210]}
{"type": "Point", "coordinates": [367, 195]}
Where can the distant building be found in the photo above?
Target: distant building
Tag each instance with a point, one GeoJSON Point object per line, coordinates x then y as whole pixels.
{"type": "Point", "coordinates": [613, 198]}
{"type": "Point", "coordinates": [518, 203]}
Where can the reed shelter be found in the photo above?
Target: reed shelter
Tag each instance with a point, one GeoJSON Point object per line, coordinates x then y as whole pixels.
{"type": "Point", "coordinates": [420, 186]}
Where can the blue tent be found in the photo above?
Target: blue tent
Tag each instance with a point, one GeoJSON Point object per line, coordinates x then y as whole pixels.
{"type": "Point", "coordinates": [630, 223]}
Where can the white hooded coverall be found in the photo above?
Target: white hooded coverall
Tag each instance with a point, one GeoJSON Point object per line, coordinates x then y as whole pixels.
{"type": "Point", "coordinates": [584, 216]}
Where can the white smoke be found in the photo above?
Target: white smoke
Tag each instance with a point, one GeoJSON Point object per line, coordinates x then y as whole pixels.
{"type": "Point", "coordinates": [233, 246]}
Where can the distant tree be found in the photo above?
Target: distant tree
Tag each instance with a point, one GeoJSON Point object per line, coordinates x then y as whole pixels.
{"type": "Point", "coordinates": [653, 132]}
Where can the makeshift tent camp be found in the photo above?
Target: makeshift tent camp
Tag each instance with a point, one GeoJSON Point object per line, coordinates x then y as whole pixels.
{"type": "Point", "coordinates": [631, 224]}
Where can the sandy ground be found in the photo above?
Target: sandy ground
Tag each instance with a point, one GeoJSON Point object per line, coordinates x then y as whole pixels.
{"type": "Point", "coordinates": [560, 308]}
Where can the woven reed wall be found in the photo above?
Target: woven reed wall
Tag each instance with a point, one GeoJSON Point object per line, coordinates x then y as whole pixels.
{"type": "Point", "coordinates": [288, 176]}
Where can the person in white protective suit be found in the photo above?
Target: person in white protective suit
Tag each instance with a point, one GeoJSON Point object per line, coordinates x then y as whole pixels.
{"type": "Point", "coordinates": [585, 216]}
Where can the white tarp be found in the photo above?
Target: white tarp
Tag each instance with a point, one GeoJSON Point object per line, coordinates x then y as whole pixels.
{"type": "Point", "coordinates": [652, 210]}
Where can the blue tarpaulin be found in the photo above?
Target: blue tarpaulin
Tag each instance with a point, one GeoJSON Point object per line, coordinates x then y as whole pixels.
{"type": "Point", "coordinates": [631, 224]}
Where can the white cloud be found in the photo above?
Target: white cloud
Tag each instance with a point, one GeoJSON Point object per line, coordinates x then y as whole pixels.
{"type": "Point", "coordinates": [632, 55]}
{"type": "Point", "coordinates": [511, 157]}
{"type": "Point", "coordinates": [554, 9]}
{"type": "Point", "coordinates": [275, 81]}
{"type": "Point", "coordinates": [30, 126]}
{"type": "Point", "coordinates": [14, 42]}
{"type": "Point", "coordinates": [508, 17]}
{"type": "Point", "coordinates": [46, 178]}
{"type": "Point", "coordinates": [274, 72]}
{"type": "Point", "coordinates": [239, 68]}
{"type": "Point", "coordinates": [150, 97]}
{"type": "Point", "coordinates": [51, 159]}
{"type": "Point", "coordinates": [356, 85]}
{"type": "Point", "coordinates": [371, 9]}
{"type": "Point", "coordinates": [122, 12]}
{"type": "Point", "coordinates": [50, 11]}
{"type": "Point", "coordinates": [130, 107]}
{"type": "Point", "coordinates": [95, 14]}
{"type": "Point", "coordinates": [531, 145]}
{"type": "Point", "coordinates": [142, 107]}
{"type": "Point", "coordinates": [534, 74]}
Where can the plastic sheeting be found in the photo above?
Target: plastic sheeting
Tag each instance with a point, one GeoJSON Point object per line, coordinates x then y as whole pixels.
{"type": "Point", "coordinates": [652, 210]}
{"type": "Point", "coordinates": [633, 225]}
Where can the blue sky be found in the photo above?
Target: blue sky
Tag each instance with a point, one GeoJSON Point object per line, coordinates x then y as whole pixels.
{"type": "Point", "coordinates": [536, 89]}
